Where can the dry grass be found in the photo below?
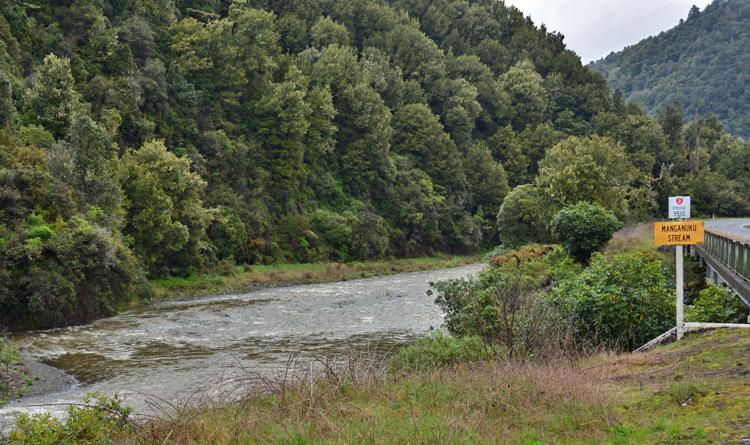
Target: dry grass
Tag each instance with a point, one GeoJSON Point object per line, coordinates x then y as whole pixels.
{"type": "Point", "coordinates": [696, 391]}
{"type": "Point", "coordinates": [632, 238]}
{"type": "Point", "coordinates": [362, 403]}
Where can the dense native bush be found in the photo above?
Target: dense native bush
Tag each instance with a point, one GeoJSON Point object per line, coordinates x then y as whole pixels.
{"type": "Point", "coordinates": [620, 302]}
{"type": "Point", "coordinates": [334, 232]}
{"type": "Point", "coordinates": [67, 273]}
{"type": "Point", "coordinates": [370, 237]}
{"type": "Point", "coordinates": [715, 305]}
{"type": "Point", "coordinates": [229, 236]}
{"type": "Point", "coordinates": [584, 228]}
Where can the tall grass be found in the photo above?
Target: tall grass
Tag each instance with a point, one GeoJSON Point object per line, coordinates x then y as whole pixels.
{"type": "Point", "coordinates": [362, 402]}
{"type": "Point", "coordinates": [8, 354]}
{"type": "Point", "coordinates": [631, 239]}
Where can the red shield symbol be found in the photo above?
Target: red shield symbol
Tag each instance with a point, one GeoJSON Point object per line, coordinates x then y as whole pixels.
{"type": "Point", "coordinates": [680, 201]}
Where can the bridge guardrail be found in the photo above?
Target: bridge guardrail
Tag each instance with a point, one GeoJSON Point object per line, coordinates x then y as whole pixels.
{"type": "Point", "coordinates": [730, 252]}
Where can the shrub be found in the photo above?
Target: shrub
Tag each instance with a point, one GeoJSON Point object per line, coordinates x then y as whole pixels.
{"type": "Point", "coordinates": [715, 305]}
{"type": "Point", "coordinates": [297, 240]}
{"type": "Point", "coordinates": [439, 349]}
{"type": "Point", "coordinates": [620, 302]}
{"type": "Point", "coordinates": [228, 235]}
{"type": "Point", "coordinates": [12, 376]}
{"type": "Point", "coordinates": [495, 252]}
{"type": "Point", "coordinates": [99, 421]}
{"type": "Point", "coordinates": [370, 237]}
{"type": "Point", "coordinates": [335, 232]}
{"type": "Point", "coordinates": [584, 228]}
{"type": "Point", "coordinates": [540, 265]}
{"type": "Point", "coordinates": [502, 306]}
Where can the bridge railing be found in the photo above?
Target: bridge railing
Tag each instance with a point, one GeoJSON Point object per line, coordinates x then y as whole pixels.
{"type": "Point", "coordinates": [732, 253]}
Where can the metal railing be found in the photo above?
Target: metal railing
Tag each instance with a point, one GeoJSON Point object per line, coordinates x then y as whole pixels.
{"type": "Point", "coordinates": [732, 253]}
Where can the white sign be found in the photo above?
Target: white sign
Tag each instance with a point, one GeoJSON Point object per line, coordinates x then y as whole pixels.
{"type": "Point", "coordinates": [679, 207]}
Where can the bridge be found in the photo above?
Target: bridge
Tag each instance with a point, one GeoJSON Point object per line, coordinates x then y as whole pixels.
{"type": "Point", "coordinates": [726, 255]}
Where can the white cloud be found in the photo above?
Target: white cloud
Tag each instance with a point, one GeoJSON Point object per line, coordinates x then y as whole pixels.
{"type": "Point", "coordinates": [594, 28]}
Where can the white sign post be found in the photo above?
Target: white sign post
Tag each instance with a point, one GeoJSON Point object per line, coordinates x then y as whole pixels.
{"type": "Point", "coordinates": [680, 297]}
{"type": "Point", "coordinates": [679, 208]}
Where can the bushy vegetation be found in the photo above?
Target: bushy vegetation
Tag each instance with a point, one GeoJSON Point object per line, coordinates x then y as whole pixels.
{"type": "Point", "coordinates": [180, 135]}
{"type": "Point", "coordinates": [621, 301]}
{"type": "Point", "coordinates": [504, 306]}
{"type": "Point", "coordinates": [99, 420]}
{"type": "Point", "coordinates": [440, 349]}
{"type": "Point", "coordinates": [583, 228]}
{"type": "Point", "coordinates": [699, 64]}
{"type": "Point", "coordinates": [715, 304]}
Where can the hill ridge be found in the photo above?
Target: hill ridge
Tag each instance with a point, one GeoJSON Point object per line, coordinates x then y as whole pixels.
{"type": "Point", "coordinates": [700, 64]}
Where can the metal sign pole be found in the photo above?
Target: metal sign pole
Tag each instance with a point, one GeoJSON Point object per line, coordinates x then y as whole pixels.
{"type": "Point", "coordinates": [680, 299]}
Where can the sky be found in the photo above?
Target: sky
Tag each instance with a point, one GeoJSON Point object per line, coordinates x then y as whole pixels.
{"type": "Point", "coordinates": [594, 28]}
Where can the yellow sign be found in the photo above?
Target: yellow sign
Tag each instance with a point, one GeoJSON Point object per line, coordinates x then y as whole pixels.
{"type": "Point", "coordinates": [679, 233]}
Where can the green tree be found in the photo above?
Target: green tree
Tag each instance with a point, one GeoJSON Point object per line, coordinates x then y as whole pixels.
{"type": "Point", "coordinates": [524, 216]}
{"type": "Point", "coordinates": [592, 169]}
{"type": "Point", "coordinates": [583, 228]}
{"type": "Point", "coordinates": [528, 97]}
{"type": "Point", "coordinates": [327, 32]}
{"type": "Point", "coordinates": [71, 273]}
{"type": "Point", "coordinates": [283, 123]}
{"type": "Point", "coordinates": [488, 182]}
{"type": "Point", "coordinates": [166, 219]}
{"type": "Point", "coordinates": [52, 99]}
{"type": "Point", "coordinates": [413, 206]}
{"type": "Point", "coordinates": [418, 134]}
{"type": "Point", "coordinates": [507, 148]}
{"type": "Point", "coordinates": [364, 124]}
{"type": "Point", "coordinates": [94, 172]}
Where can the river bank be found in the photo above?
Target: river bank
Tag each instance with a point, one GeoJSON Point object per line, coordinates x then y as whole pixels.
{"type": "Point", "coordinates": [180, 350]}
{"type": "Point", "coordinates": [246, 278]}
{"type": "Point", "coordinates": [694, 391]}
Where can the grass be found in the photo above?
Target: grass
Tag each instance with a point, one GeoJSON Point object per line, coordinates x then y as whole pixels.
{"type": "Point", "coordinates": [8, 354]}
{"type": "Point", "coordinates": [12, 378]}
{"type": "Point", "coordinates": [696, 391]}
{"type": "Point", "coordinates": [637, 238]}
{"type": "Point", "coordinates": [243, 278]}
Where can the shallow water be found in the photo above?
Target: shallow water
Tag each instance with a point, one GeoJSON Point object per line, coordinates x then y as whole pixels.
{"type": "Point", "coordinates": [174, 351]}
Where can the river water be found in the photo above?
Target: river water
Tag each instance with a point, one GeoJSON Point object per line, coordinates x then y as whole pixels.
{"type": "Point", "coordinates": [175, 351]}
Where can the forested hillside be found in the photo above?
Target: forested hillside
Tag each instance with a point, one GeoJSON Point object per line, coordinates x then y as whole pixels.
{"type": "Point", "coordinates": [149, 138]}
{"type": "Point", "coordinates": [702, 64]}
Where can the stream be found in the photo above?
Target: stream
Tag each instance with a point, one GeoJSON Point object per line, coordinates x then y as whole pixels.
{"type": "Point", "coordinates": [179, 351]}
